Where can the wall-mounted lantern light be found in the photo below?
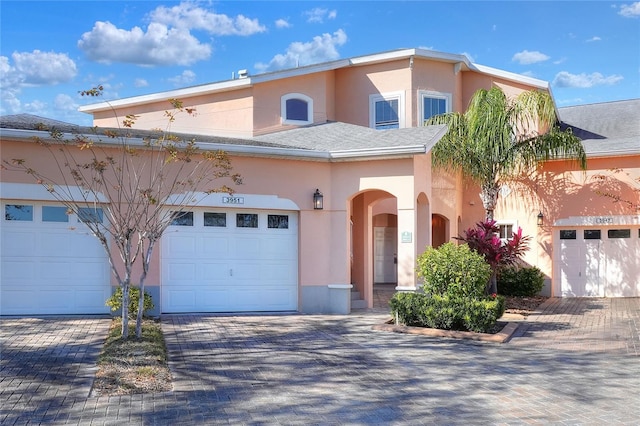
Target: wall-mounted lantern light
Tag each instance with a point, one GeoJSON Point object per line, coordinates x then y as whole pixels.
{"type": "Point", "coordinates": [317, 200]}
{"type": "Point", "coordinates": [540, 220]}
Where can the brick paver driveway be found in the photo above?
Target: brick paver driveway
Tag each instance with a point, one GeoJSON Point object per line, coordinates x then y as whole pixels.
{"type": "Point", "coordinates": [335, 370]}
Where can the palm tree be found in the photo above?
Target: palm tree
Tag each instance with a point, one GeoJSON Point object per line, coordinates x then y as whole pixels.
{"type": "Point", "coordinates": [496, 139]}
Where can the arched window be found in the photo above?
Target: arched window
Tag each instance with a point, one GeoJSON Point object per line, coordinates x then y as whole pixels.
{"type": "Point", "coordinates": [296, 109]}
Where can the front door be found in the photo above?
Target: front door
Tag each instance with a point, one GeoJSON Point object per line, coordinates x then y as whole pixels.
{"type": "Point", "coordinates": [384, 252]}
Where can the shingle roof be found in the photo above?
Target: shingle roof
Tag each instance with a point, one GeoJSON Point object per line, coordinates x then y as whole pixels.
{"type": "Point", "coordinates": [34, 122]}
{"type": "Point", "coordinates": [326, 140]}
{"type": "Point", "coordinates": [606, 129]}
{"type": "Point", "coordinates": [338, 136]}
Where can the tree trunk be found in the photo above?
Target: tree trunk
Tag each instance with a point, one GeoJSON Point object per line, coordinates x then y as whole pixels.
{"type": "Point", "coordinates": [124, 330]}
{"type": "Point", "coordinates": [146, 259]}
{"type": "Point", "coordinates": [489, 196]}
{"type": "Point", "coordinates": [492, 285]}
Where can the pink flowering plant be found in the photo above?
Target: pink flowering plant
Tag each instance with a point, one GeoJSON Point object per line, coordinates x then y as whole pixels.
{"type": "Point", "coordinates": [485, 240]}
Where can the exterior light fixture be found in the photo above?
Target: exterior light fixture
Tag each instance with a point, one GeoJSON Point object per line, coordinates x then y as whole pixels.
{"type": "Point", "coordinates": [317, 200]}
{"type": "Point", "coordinates": [540, 220]}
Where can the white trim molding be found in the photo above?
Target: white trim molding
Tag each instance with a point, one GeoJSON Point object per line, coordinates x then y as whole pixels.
{"type": "Point", "coordinates": [301, 97]}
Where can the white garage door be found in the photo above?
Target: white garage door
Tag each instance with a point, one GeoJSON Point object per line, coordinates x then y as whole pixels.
{"type": "Point", "coordinates": [219, 260]}
{"type": "Point", "coordinates": [50, 264]}
{"type": "Point", "coordinates": [599, 262]}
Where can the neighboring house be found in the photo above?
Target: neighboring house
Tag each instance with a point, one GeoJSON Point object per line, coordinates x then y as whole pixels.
{"type": "Point", "coordinates": [353, 129]}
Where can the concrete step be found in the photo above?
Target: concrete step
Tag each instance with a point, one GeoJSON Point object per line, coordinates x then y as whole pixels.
{"type": "Point", "coordinates": [355, 295]}
{"type": "Point", "coordinates": [358, 304]}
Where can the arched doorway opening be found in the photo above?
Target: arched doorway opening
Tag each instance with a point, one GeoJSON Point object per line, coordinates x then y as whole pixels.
{"type": "Point", "coordinates": [439, 230]}
{"type": "Point", "coordinates": [374, 242]}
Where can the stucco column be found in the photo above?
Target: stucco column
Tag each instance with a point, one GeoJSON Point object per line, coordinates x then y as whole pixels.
{"type": "Point", "coordinates": [406, 249]}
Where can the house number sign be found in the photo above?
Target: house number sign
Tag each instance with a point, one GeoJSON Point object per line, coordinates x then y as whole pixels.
{"type": "Point", "coordinates": [232, 200]}
{"type": "Point", "coordinates": [604, 220]}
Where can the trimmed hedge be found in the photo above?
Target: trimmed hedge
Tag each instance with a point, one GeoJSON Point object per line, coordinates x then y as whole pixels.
{"type": "Point", "coordinates": [446, 312]}
{"type": "Point", "coordinates": [115, 301]}
{"type": "Point", "coordinates": [453, 270]}
{"type": "Point", "coordinates": [522, 282]}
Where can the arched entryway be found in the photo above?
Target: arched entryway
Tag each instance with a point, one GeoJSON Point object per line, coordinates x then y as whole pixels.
{"type": "Point", "coordinates": [374, 242]}
{"type": "Point", "coordinates": [439, 230]}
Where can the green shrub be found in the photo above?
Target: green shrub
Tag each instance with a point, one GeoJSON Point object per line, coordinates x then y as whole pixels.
{"type": "Point", "coordinates": [523, 282]}
{"type": "Point", "coordinates": [115, 301]}
{"type": "Point", "coordinates": [453, 270]}
{"type": "Point", "coordinates": [447, 313]}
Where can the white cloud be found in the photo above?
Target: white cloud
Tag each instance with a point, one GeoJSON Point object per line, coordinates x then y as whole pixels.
{"type": "Point", "coordinates": [282, 23]}
{"type": "Point", "coordinates": [321, 49]}
{"type": "Point", "coordinates": [318, 15]}
{"type": "Point", "coordinates": [28, 69]}
{"type": "Point", "coordinates": [559, 61]}
{"type": "Point", "coordinates": [526, 58]}
{"type": "Point", "coordinates": [630, 10]}
{"type": "Point", "coordinates": [187, 77]}
{"type": "Point", "coordinates": [39, 68]}
{"type": "Point", "coordinates": [594, 38]}
{"type": "Point", "coordinates": [64, 102]}
{"type": "Point", "coordinates": [159, 45]}
{"type": "Point", "coordinates": [140, 82]}
{"type": "Point", "coordinates": [584, 81]}
{"type": "Point", "coordinates": [188, 16]}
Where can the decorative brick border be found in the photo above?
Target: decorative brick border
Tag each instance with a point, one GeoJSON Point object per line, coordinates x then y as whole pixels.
{"type": "Point", "coordinates": [500, 337]}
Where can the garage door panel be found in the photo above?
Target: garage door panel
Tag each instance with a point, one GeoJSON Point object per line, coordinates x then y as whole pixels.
{"type": "Point", "coordinates": [215, 246]}
{"type": "Point", "coordinates": [181, 245]}
{"type": "Point", "coordinates": [215, 271]}
{"type": "Point", "coordinates": [180, 271]}
{"type": "Point", "coordinates": [16, 270]}
{"type": "Point", "coordinates": [277, 248]}
{"type": "Point", "coordinates": [277, 272]}
{"type": "Point", "coordinates": [246, 247]}
{"type": "Point", "coordinates": [217, 298]}
{"type": "Point", "coordinates": [17, 243]}
{"type": "Point", "coordinates": [236, 269]}
{"type": "Point", "coordinates": [266, 299]}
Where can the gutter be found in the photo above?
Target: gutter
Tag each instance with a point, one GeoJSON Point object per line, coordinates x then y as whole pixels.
{"type": "Point", "coordinates": [244, 150]}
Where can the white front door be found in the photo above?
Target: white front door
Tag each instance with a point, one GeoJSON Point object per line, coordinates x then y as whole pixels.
{"type": "Point", "coordinates": [385, 254]}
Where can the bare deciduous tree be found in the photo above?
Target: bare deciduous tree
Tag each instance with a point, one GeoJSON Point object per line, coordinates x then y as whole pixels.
{"type": "Point", "coordinates": [131, 188]}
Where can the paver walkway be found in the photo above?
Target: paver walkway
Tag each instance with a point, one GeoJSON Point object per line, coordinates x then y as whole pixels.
{"type": "Point", "coordinates": [299, 369]}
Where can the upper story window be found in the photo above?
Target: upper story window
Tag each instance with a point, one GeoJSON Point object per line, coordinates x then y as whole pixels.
{"type": "Point", "coordinates": [296, 109]}
{"type": "Point", "coordinates": [433, 103]}
{"type": "Point", "coordinates": [386, 111]}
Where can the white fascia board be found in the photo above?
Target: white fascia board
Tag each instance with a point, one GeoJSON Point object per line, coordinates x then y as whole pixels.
{"type": "Point", "coordinates": [239, 83]}
{"type": "Point", "coordinates": [378, 152]}
{"type": "Point", "coordinates": [40, 192]}
{"type": "Point", "coordinates": [519, 78]}
{"type": "Point", "coordinates": [613, 153]}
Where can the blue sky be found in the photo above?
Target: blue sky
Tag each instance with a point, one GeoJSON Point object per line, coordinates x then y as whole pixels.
{"type": "Point", "coordinates": [50, 50]}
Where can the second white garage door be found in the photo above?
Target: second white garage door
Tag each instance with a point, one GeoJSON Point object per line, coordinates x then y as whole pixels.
{"type": "Point", "coordinates": [219, 260]}
{"type": "Point", "coordinates": [599, 262]}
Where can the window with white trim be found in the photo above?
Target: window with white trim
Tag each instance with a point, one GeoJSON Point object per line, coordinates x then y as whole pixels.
{"type": "Point", "coordinates": [432, 103]}
{"type": "Point", "coordinates": [296, 109]}
{"type": "Point", "coordinates": [386, 111]}
{"type": "Point", "coordinates": [506, 229]}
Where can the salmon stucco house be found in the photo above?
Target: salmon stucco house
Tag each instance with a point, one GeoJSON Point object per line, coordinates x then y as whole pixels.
{"type": "Point", "coordinates": [351, 131]}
